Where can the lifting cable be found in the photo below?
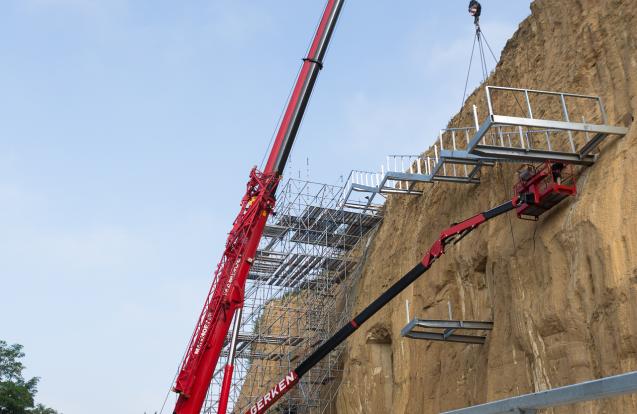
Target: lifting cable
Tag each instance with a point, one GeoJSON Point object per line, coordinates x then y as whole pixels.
{"type": "Point", "coordinates": [486, 42]}
{"type": "Point", "coordinates": [506, 79]}
{"type": "Point", "coordinates": [278, 123]}
{"type": "Point", "coordinates": [464, 95]}
{"type": "Point", "coordinates": [482, 41]}
{"type": "Point", "coordinates": [483, 58]}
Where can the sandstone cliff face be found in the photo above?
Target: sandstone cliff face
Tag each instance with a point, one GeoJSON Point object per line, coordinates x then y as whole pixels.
{"type": "Point", "coordinates": [562, 291]}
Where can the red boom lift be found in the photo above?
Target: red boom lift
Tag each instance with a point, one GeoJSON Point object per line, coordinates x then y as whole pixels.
{"type": "Point", "coordinates": [227, 292]}
{"type": "Point", "coordinates": [538, 192]}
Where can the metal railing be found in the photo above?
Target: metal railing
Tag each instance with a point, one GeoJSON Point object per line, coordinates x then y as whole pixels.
{"type": "Point", "coordinates": [363, 179]}
{"type": "Point", "coordinates": [571, 394]}
{"type": "Point", "coordinates": [454, 140]}
{"type": "Point", "coordinates": [562, 95]}
{"type": "Point", "coordinates": [416, 165]}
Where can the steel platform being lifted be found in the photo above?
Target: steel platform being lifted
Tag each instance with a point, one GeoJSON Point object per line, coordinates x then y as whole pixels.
{"type": "Point", "coordinates": [568, 128]}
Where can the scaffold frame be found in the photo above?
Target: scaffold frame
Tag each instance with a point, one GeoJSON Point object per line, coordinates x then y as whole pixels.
{"type": "Point", "coordinates": [297, 293]}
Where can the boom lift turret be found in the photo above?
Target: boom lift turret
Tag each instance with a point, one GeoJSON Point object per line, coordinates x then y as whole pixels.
{"type": "Point", "coordinates": [226, 295]}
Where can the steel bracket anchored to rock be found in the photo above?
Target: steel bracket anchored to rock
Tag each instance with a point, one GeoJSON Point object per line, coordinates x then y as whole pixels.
{"type": "Point", "coordinates": [446, 330]}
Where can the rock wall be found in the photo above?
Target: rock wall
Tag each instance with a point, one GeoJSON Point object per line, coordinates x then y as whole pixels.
{"type": "Point", "coordinates": [562, 291]}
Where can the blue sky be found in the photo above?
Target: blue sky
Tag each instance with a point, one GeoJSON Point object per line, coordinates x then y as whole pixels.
{"type": "Point", "coordinates": [127, 130]}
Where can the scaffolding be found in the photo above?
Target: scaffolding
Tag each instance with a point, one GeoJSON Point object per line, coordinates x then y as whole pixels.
{"type": "Point", "coordinates": [522, 125]}
{"type": "Point", "coordinates": [296, 295]}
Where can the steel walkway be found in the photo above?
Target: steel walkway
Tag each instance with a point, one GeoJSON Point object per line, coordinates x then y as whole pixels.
{"type": "Point", "coordinates": [522, 125]}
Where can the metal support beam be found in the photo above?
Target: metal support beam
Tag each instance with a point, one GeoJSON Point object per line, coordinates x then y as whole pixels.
{"type": "Point", "coordinates": [571, 394]}
{"type": "Point", "coordinates": [519, 154]}
{"type": "Point", "coordinates": [559, 125]}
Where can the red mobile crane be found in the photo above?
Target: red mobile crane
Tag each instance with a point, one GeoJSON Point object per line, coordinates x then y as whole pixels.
{"type": "Point", "coordinates": [225, 299]}
{"type": "Point", "coordinates": [228, 288]}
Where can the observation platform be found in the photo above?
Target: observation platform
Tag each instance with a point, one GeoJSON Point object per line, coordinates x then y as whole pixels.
{"type": "Point", "coordinates": [523, 125]}
{"type": "Point", "coordinates": [569, 127]}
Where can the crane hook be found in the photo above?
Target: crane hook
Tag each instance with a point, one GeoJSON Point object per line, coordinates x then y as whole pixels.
{"type": "Point", "coordinates": [475, 10]}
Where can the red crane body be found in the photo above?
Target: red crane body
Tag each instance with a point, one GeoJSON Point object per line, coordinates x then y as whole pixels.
{"type": "Point", "coordinates": [227, 292]}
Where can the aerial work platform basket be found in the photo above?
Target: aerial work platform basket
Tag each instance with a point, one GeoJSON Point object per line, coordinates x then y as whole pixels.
{"type": "Point", "coordinates": [549, 182]}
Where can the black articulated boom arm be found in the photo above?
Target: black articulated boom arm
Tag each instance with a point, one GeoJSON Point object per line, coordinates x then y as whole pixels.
{"type": "Point", "coordinates": [452, 235]}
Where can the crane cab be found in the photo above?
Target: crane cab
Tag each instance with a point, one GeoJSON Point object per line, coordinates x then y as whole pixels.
{"type": "Point", "coordinates": [549, 183]}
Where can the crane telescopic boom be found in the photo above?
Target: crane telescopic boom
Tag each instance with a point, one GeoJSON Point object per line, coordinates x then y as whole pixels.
{"type": "Point", "coordinates": [227, 292]}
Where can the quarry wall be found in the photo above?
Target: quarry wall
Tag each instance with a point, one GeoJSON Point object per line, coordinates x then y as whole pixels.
{"type": "Point", "coordinates": [562, 291]}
